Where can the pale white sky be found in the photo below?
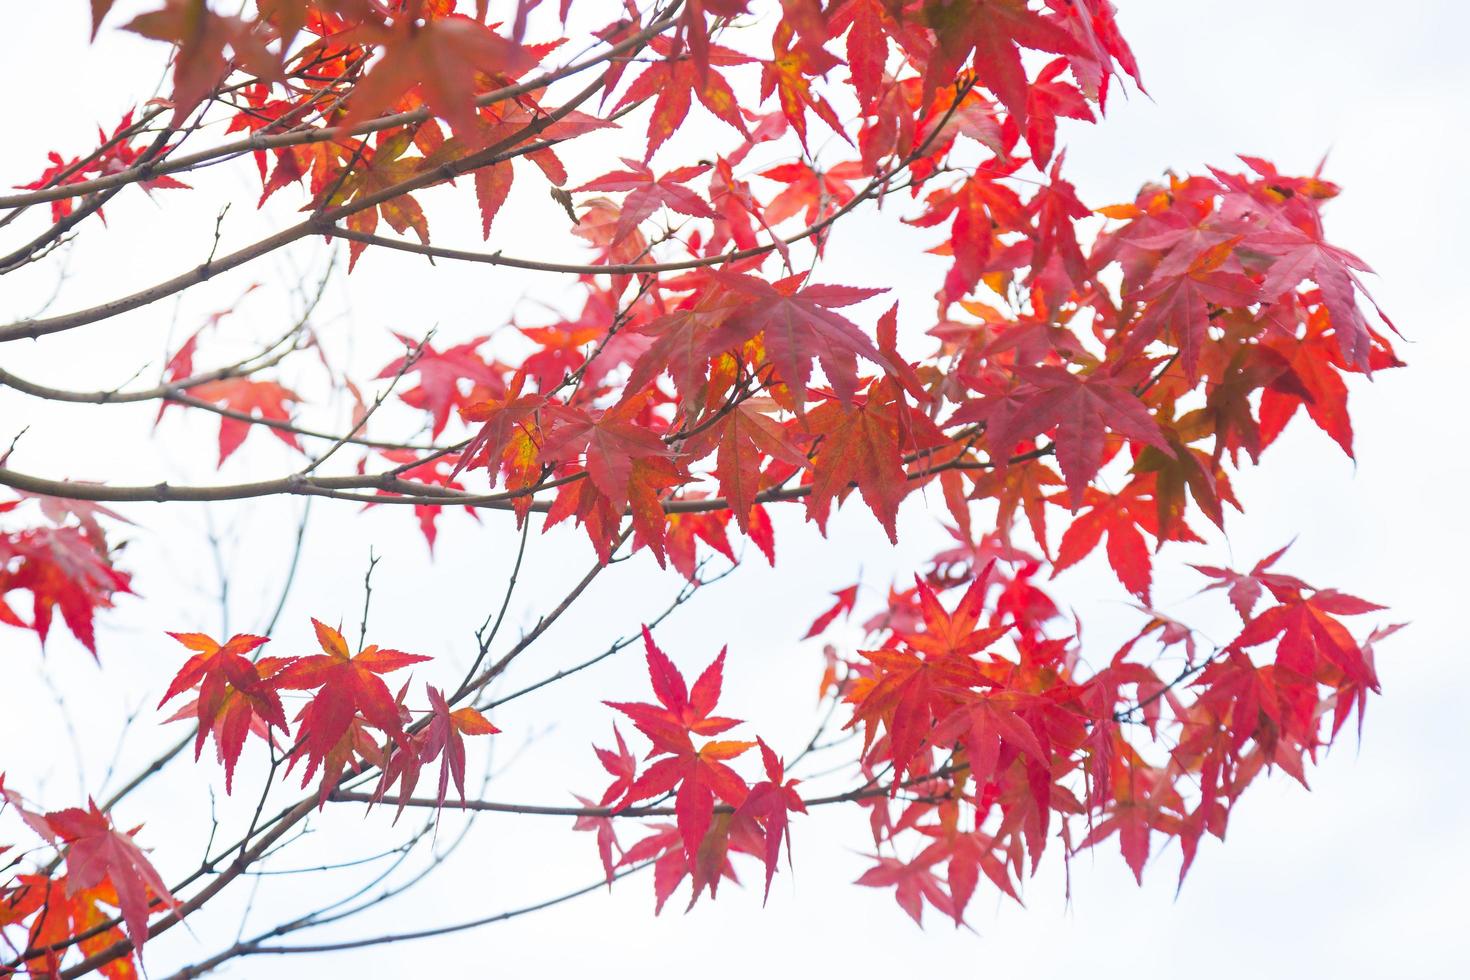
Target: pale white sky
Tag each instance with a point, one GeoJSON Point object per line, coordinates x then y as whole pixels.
{"type": "Point", "coordinates": [1360, 878]}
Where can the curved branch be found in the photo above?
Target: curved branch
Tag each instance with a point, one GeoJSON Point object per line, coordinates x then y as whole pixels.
{"type": "Point", "coordinates": [403, 492]}
{"type": "Point", "coordinates": [441, 930]}
{"type": "Point", "coordinates": [530, 809]}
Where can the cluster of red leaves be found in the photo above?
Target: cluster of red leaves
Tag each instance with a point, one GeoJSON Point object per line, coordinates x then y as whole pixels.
{"type": "Point", "coordinates": [64, 563]}
{"type": "Point", "coordinates": [1164, 342]}
{"type": "Point", "coordinates": [1000, 737]}
{"type": "Point", "coordinates": [238, 696]}
{"type": "Point", "coordinates": [716, 811]}
{"type": "Point", "coordinates": [115, 153]}
{"type": "Point", "coordinates": [104, 870]}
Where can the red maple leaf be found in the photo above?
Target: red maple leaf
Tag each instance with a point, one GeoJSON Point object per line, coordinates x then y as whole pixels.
{"type": "Point", "coordinates": [1081, 408]}
{"type": "Point", "coordinates": [444, 737]}
{"type": "Point", "coordinates": [609, 444]}
{"type": "Point", "coordinates": [265, 400]}
{"type": "Point", "coordinates": [96, 853]}
{"type": "Point", "coordinates": [914, 883]}
{"type": "Point", "coordinates": [647, 193]}
{"type": "Point", "coordinates": [1245, 588]}
{"type": "Point", "coordinates": [1127, 550]}
{"type": "Point", "coordinates": [675, 81]}
{"type": "Point", "coordinates": [699, 775]}
{"type": "Point", "coordinates": [437, 61]}
{"type": "Point", "coordinates": [846, 598]}
{"type": "Point", "coordinates": [202, 36]}
{"type": "Point", "coordinates": [64, 569]}
{"type": "Point", "coordinates": [347, 687]}
{"type": "Point", "coordinates": [233, 692]}
{"type": "Point", "coordinates": [441, 374]}
{"type": "Point", "coordinates": [769, 802]}
{"type": "Point", "coordinates": [995, 31]}
{"type": "Point", "coordinates": [799, 325]}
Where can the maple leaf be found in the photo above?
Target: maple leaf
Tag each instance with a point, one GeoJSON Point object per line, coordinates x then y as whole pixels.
{"type": "Point", "coordinates": [57, 916]}
{"type": "Point", "coordinates": [994, 30]}
{"type": "Point", "coordinates": [1182, 300]}
{"type": "Point", "coordinates": [862, 445]}
{"type": "Point", "coordinates": [672, 864]}
{"type": "Point", "coordinates": [982, 208]}
{"type": "Point", "coordinates": [681, 345]}
{"type": "Point", "coordinates": [202, 36]}
{"type": "Point", "coordinates": [346, 687]}
{"type": "Point", "coordinates": [787, 75]}
{"type": "Point", "coordinates": [264, 400]}
{"type": "Point", "coordinates": [971, 854]}
{"type": "Point", "coordinates": [65, 570]}
{"type": "Point", "coordinates": [694, 30]}
{"type": "Point", "coordinates": [444, 737]}
{"type": "Point", "coordinates": [683, 532]}
{"type": "Point", "coordinates": [820, 194]}
{"type": "Point", "coordinates": [905, 700]}
{"type": "Point", "coordinates": [503, 417]}
{"type": "Point", "coordinates": [1311, 637]}
{"type": "Point", "coordinates": [61, 172]}
{"type": "Point", "coordinates": [699, 777]}
{"type": "Point", "coordinates": [648, 193]}
{"type": "Point", "coordinates": [1334, 270]}
{"type": "Point", "coordinates": [366, 174]}
{"type": "Point", "coordinates": [438, 61]}
{"type": "Point", "coordinates": [923, 683]}
{"type": "Point", "coordinates": [867, 45]}
{"type": "Point", "coordinates": [1127, 550]}
{"type": "Point", "coordinates": [96, 852]}
{"type": "Point", "coordinates": [914, 883]}
{"type": "Point", "coordinates": [492, 188]}
{"type": "Point", "coordinates": [951, 634]}
{"type": "Point", "coordinates": [84, 512]}
{"type": "Point", "coordinates": [674, 82]}
{"type": "Point", "coordinates": [1244, 589]}
{"type": "Point", "coordinates": [621, 765]}
{"type": "Point", "coordinates": [440, 374]}
{"type": "Point", "coordinates": [609, 444]}
{"type": "Point", "coordinates": [741, 439]}
{"type": "Point", "coordinates": [770, 802]}
{"type": "Point", "coordinates": [607, 838]}
{"type": "Point", "coordinates": [1082, 408]}
{"type": "Point", "coordinates": [846, 598]}
{"type": "Point", "coordinates": [1316, 369]}
{"type": "Point", "coordinates": [1024, 486]}
{"type": "Point", "coordinates": [1056, 210]}
{"type": "Point", "coordinates": [1046, 99]}
{"type": "Point", "coordinates": [681, 711]}
{"type": "Point", "coordinates": [1133, 822]}
{"type": "Point", "coordinates": [798, 325]}
{"type": "Point", "coordinates": [233, 692]}
{"type": "Point", "coordinates": [698, 774]}
{"type": "Point", "coordinates": [114, 153]}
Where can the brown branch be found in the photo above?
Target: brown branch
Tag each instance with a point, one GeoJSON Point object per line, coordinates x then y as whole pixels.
{"type": "Point", "coordinates": [403, 492]}
{"type": "Point", "coordinates": [426, 933]}
{"type": "Point", "coordinates": [531, 809]}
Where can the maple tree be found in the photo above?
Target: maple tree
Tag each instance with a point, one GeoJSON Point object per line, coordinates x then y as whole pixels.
{"type": "Point", "coordinates": [1086, 380]}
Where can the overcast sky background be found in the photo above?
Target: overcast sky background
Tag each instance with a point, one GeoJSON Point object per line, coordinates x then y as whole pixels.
{"type": "Point", "coordinates": [1362, 877]}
